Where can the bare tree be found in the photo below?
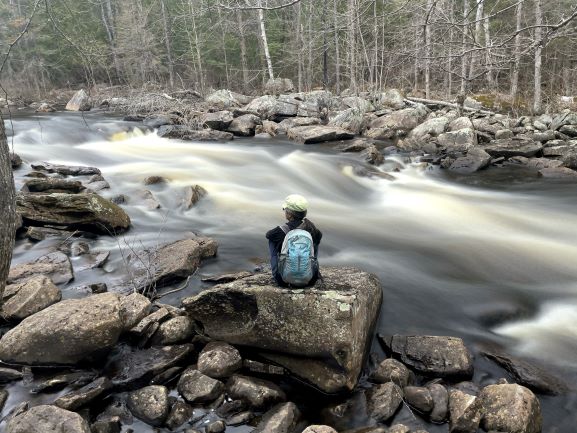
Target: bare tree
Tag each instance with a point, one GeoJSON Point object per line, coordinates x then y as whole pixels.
{"type": "Point", "coordinates": [7, 209]}
{"type": "Point", "coordinates": [265, 41]}
{"type": "Point", "coordinates": [537, 102]}
{"type": "Point", "coordinates": [517, 50]}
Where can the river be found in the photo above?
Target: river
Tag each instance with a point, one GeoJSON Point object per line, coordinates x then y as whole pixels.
{"type": "Point", "coordinates": [451, 251]}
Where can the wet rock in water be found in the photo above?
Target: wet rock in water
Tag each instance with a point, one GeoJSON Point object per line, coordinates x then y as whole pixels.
{"type": "Point", "coordinates": [276, 86]}
{"type": "Point", "coordinates": [283, 418]}
{"type": "Point", "coordinates": [319, 429]}
{"type": "Point", "coordinates": [372, 155]}
{"type": "Point", "coordinates": [51, 184]}
{"type": "Point", "coordinates": [3, 398]}
{"type": "Point", "coordinates": [192, 195]}
{"type": "Point", "coordinates": [464, 412]}
{"type": "Point", "coordinates": [185, 133]}
{"type": "Point", "coordinates": [15, 160]}
{"type": "Point", "coordinates": [274, 108]}
{"type": "Point", "coordinates": [391, 370]}
{"type": "Point", "coordinates": [9, 375]}
{"type": "Point", "coordinates": [133, 118]}
{"type": "Point", "coordinates": [176, 330]}
{"type": "Point", "coordinates": [383, 401]}
{"type": "Point", "coordinates": [398, 428]}
{"type": "Point", "coordinates": [218, 120]}
{"type": "Point", "coordinates": [55, 265]}
{"type": "Point", "coordinates": [318, 134]}
{"type": "Point", "coordinates": [244, 125]}
{"type": "Point", "coordinates": [44, 107]}
{"type": "Point", "coordinates": [28, 297]}
{"type": "Point", "coordinates": [287, 124]}
{"type": "Point", "coordinates": [66, 170]}
{"type": "Point", "coordinates": [59, 381]}
{"type": "Point", "coordinates": [108, 426]}
{"type": "Point", "coordinates": [84, 395]}
{"type": "Point", "coordinates": [47, 418]}
{"type": "Point", "coordinates": [42, 233]}
{"type": "Point", "coordinates": [66, 332]}
{"type": "Point", "coordinates": [397, 123]}
{"type": "Point", "coordinates": [319, 334]}
{"type": "Point", "coordinates": [432, 355]}
{"type": "Point", "coordinates": [215, 427]}
{"type": "Point", "coordinates": [219, 360]}
{"type": "Point", "coordinates": [154, 180]}
{"type": "Point", "coordinates": [476, 160]}
{"type": "Point", "coordinates": [168, 263]}
{"type": "Point", "coordinates": [180, 412]}
{"type": "Point", "coordinates": [558, 173]}
{"type": "Point", "coordinates": [79, 102]}
{"type": "Point", "coordinates": [356, 145]}
{"type": "Point", "coordinates": [269, 127]}
{"type": "Point", "coordinates": [150, 404]}
{"type": "Point", "coordinates": [88, 212]}
{"type": "Point", "coordinates": [440, 397]}
{"type": "Point", "coordinates": [227, 278]}
{"type": "Point", "coordinates": [258, 393]}
{"type": "Point", "coordinates": [419, 398]}
{"type": "Point", "coordinates": [527, 373]}
{"type": "Point", "coordinates": [538, 163]}
{"type": "Point", "coordinates": [196, 387]}
{"type": "Point", "coordinates": [133, 308]}
{"type": "Point", "coordinates": [94, 260]}
{"type": "Point", "coordinates": [513, 147]}
{"type": "Point", "coordinates": [129, 367]}
{"type": "Point", "coordinates": [148, 199]}
{"type": "Point", "coordinates": [158, 120]}
{"type": "Point", "coordinates": [510, 408]}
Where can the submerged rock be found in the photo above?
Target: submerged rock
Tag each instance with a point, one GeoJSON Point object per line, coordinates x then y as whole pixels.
{"type": "Point", "coordinates": [65, 333]}
{"type": "Point", "coordinates": [318, 134]}
{"type": "Point", "coordinates": [52, 184]}
{"type": "Point", "coordinates": [66, 170]}
{"type": "Point", "coordinates": [185, 133]}
{"type": "Point", "coordinates": [320, 334]}
{"type": "Point", "coordinates": [47, 418]}
{"type": "Point", "coordinates": [76, 399]}
{"type": "Point", "coordinates": [55, 265]}
{"type": "Point", "coordinates": [88, 212]}
{"type": "Point", "coordinates": [192, 195]}
{"type": "Point", "coordinates": [28, 297]}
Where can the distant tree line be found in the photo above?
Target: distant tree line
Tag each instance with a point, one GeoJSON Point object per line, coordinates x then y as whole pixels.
{"type": "Point", "coordinates": [437, 48]}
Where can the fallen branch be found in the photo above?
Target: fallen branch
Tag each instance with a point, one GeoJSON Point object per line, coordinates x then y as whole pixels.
{"type": "Point", "coordinates": [447, 104]}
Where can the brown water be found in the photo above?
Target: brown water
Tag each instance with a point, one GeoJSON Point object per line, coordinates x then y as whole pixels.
{"type": "Point", "coordinates": [447, 249]}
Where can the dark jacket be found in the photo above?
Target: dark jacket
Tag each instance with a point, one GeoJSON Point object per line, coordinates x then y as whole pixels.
{"type": "Point", "coordinates": [276, 237]}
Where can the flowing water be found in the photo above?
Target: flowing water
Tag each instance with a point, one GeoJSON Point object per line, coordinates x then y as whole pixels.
{"type": "Point", "coordinates": [452, 252]}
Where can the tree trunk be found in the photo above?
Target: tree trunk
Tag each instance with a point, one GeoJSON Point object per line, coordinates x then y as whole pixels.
{"type": "Point", "coordinates": [427, 30]}
{"type": "Point", "coordinates": [242, 43]}
{"type": "Point", "coordinates": [7, 209]}
{"type": "Point", "coordinates": [488, 59]}
{"type": "Point", "coordinates": [197, 48]}
{"type": "Point", "coordinates": [517, 51]}
{"type": "Point", "coordinates": [166, 28]}
{"type": "Point", "coordinates": [538, 54]}
{"type": "Point", "coordinates": [325, 48]}
{"type": "Point", "coordinates": [337, 51]}
{"type": "Point", "coordinates": [223, 41]}
{"type": "Point", "coordinates": [451, 42]}
{"type": "Point", "coordinates": [299, 49]}
{"type": "Point", "coordinates": [265, 42]}
{"type": "Point", "coordinates": [108, 22]}
{"type": "Point", "coordinates": [464, 84]}
{"type": "Point", "coordinates": [478, 34]}
{"type": "Point", "coordinates": [351, 44]}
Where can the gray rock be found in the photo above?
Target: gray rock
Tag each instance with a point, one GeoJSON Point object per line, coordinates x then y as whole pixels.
{"type": "Point", "coordinates": [147, 199]}
{"type": "Point", "coordinates": [42, 233]}
{"type": "Point", "coordinates": [227, 278]}
{"type": "Point", "coordinates": [527, 373]}
{"type": "Point", "coordinates": [350, 119]}
{"type": "Point", "coordinates": [66, 332]}
{"type": "Point", "coordinates": [224, 99]}
{"type": "Point", "coordinates": [440, 397]}
{"type": "Point", "coordinates": [543, 136]}
{"type": "Point", "coordinates": [372, 155]}
{"type": "Point", "coordinates": [158, 120]}
{"type": "Point", "coordinates": [476, 160]}
{"type": "Point", "coordinates": [46, 418]}
{"type": "Point", "coordinates": [558, 173]}
{"type": "Point", "coordinates": [570, 130]}
{"type": "Point", "coordinates": [561, 150]}
{"type": "Point", "coordinates": [15, 160]}
{"type": "Point", "coordinates": [168, 263]}
{"type": "Point", "coordinates": [52, 184]}
{"type": "Point", "coordinates": [107, 426]}
{"type": "Point", "coordinates": [538, 163]}
{"type": "Point", "coordinates": [271, 128]}
{"type": "Point", "coordinates": [283, 418]}
{"type": "Point", "coordinates": [76, 379]}
{"type": "Point", "coordinates": [513, 147]}
{"type": "Point", "coordinates": [45, 108]}
{"type": "Point", "coordinates": [356, 145]}
{"type": "Point", "coordinates": [176, 330]}
{"type": "Point", "coordinates": [464, 412]}
{"type": "Point", "coordinates": [317, 103]}
{"type": "Point", "coordinates": [28, 297]}
{"type": "Point", "coordinates": [319, 429]}
{"type": "Point", "coordinates": [358, 103]}
{"type": "Point", "coordinates": [383, 401]}
{"type": "Point", "coordinates": [154, 180]}
{"type": "Point", "coordinates": [432, 355]}
{"type": "Point", "coordinates": [240, 418]}
{"type": "Point", "coordinates": [192, 195]}
{"type": "Point", "coordinates": [274, 108]}
{"type": "Point", "coordinates": [461, 123]}
{"type": "Point", "coordinates": [219, 360]}
{"type": "Point", "coordinates": [399, 428]}
{"type": "Point", "coordinates": [390, 98]}
{"type": "Point", "coordinates": [196, 387]}
{"type": "Point", "coordinates": [9, 375]}
{"type": "Point", "coordinates": [432, 127]}
{"type": "Point", "coordinates": [276, 86]}
{"type": "Point", "coordinates": [458, 141]}
{"type": "Point", "coordinates": [84, 395]}
{"type": "Point", "coordinates": [88, 212]}
{"type": "Point", "coordinates": [150, 324]}
{"type": "Point", "coordinates": [398, 123]}
{"type": "Point", "coordinates": [55, 265]}
{"type": "Point", "coordinates": [130, 367]}
{"type": "Point", "coordinates": [79, 102]}
{"type": "Point", "coordinates": [510, 408]}
{"type": "Point", "coordinates": [218, 120]}
{"type": "Point", "coordinates": [255, 312]}
{"type": "Point", "coordinates": [66, 170]}
{"type": "Point", "coordinates": [133, 308]}
{"type": "Point", "coordinates": [216, 427]}
{"type": "Point", "coordinates": [180, 413]}
{"type": "Point", "coordinates": [287, 124]}
{"type": "Point", "coordinates": [419, 397]}
{"type": "Point", "coordinates": [540, 126]}
{"type": "Point", "coordinates": [182, 132]}
{"type": "Point", "coordinates": [150, 404]}
{"type": "Point", "coordinates": [318, 134]}
{"type": "Point", "coordinates": [258, 393]}
{"type": "Point", "coordinates": [391, 370]}
{"type": "Point", "coordinates": [504, 134]}
{"type": "Point", "coordinates": [244, 125]}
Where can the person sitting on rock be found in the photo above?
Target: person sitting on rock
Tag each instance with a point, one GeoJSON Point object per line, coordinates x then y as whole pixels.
{"type": "Point", "coordinates": [294, 246]}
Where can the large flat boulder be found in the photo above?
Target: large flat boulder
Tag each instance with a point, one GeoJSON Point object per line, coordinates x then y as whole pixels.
{"type": "Point", "coordinates": [66, 332]}
{"type": "Point", "coordinates": [397, 123]}
{"type": "Point", "coordinates": [320, 334]}
{"type": "Point", "coordinates": [47, 418]}
{"type": "Point", "coordinates": [513, 147]}
{"type": "Point", "coordinates": [88, 212]}
{"type": "Point", "coordinates": [318, 134]}
{"type": "Point", "coordinates": [66, 170]}
{"type": "Point", "coordinates": [183, 132]}
{"type": "Point", "coordinates": [28, 297]}
{"type": "Point", "coordinates": [274, 108]}
{"type": "Point", "coordinates": [55, 265]}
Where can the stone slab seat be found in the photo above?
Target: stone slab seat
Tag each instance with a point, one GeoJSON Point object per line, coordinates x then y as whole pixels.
{"type": "Point", "coordinates": [320, 334]}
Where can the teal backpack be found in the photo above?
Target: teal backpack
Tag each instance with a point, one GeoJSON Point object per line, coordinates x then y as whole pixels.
{"type": "Point", "coordinates": [297, 260]}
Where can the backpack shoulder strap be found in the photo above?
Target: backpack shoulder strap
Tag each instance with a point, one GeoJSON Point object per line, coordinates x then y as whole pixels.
{"type": "Point", "coordinates": [285, 228]}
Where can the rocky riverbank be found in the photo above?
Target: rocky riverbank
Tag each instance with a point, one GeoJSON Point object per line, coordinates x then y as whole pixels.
{"type": "Point", "coordinates": [246, 353]}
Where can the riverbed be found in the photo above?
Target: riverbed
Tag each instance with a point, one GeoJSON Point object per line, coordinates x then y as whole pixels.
{"type": "Point", "coordinates": [489, 257]}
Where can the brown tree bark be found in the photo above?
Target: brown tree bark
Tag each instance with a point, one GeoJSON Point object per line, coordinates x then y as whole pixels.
{"type": "Point", "coordinates": [7, 209]}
